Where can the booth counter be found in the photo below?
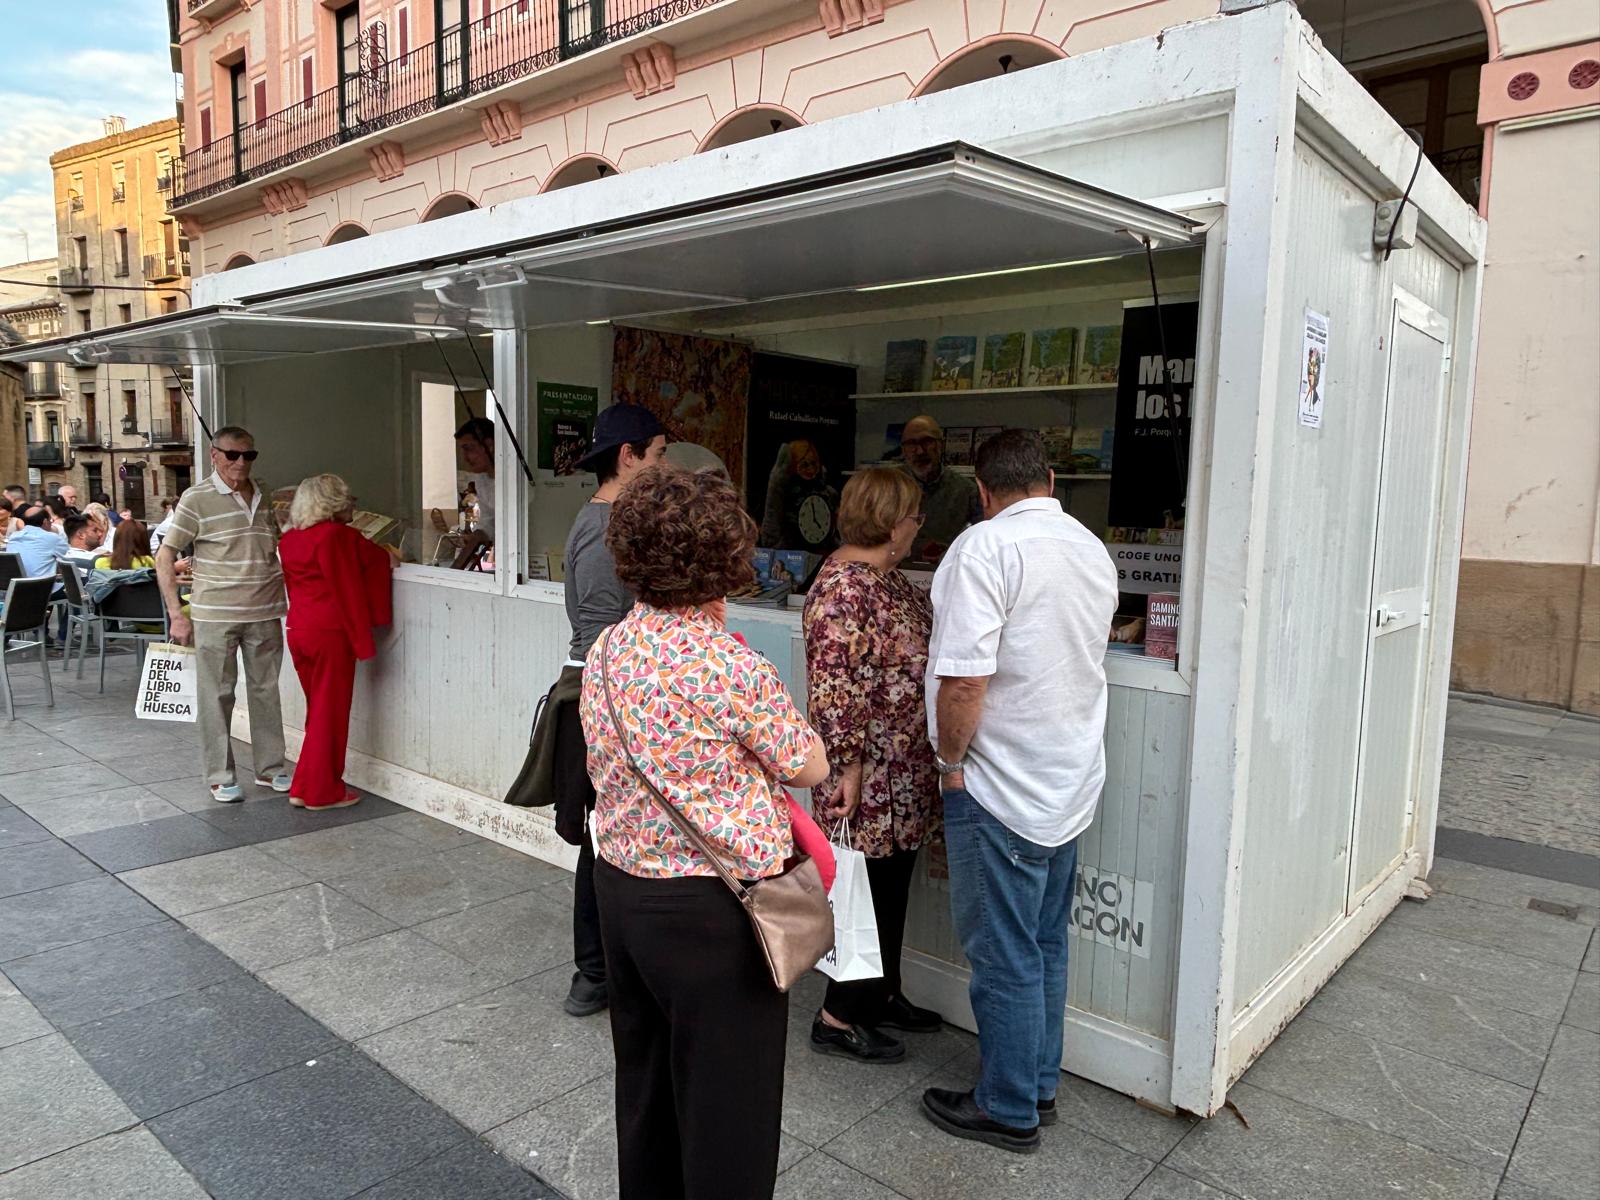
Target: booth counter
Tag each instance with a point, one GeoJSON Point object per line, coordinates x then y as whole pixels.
{"type": "Point", "coordinates": [1273, 775]}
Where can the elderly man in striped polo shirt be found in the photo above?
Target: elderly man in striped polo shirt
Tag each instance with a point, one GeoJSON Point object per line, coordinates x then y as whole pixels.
{"type": "Point", "coordinates": [236, 609]}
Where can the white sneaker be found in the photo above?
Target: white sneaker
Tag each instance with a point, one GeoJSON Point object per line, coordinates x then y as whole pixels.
{"type": "Point", "coordinates": [227, 793]}
{"type": "Point", "coordinates": [278, 783]}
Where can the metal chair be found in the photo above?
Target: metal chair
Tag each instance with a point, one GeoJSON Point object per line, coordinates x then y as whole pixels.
{"type": "Point", "coordinates": [123, 611]}
{"type": "Point", "coordinates": [11, 568]}
{"type": "Point", "coordinates": [81, 616]}
{"type": "Point", "coordinates": [448, 542]}
{"type": "Point", "coordinates": [27, 611]}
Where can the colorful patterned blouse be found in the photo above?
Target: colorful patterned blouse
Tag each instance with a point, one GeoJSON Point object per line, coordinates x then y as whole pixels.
{"type": "Point", "coordinates": [866, 656]}
{"type": "Point", "coordinates": [714, 728]}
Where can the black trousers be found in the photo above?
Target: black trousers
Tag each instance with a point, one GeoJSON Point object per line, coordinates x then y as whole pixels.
{"type": "Point", "coordinates": [699, 1032]}
{"type": "Point", "coordinates": [862, 1002]}
{"type": "Point", "coordinates": [575, 801]}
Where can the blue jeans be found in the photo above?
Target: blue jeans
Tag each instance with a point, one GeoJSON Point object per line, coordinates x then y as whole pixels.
{"type": "Point", "coordinates": [1010, 900]}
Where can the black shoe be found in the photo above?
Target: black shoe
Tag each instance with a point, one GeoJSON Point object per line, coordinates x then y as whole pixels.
{"type": "Point", "coordinates": [900, 1013]}
{"type": "Point", "coordinates": [858, 1042]}
{"type": "Point", "coordinates": [958, 1113]}
{"type": "Point", "coordinates": [586, 997]}
{"type": "Point", "coordinates": [1047, 1112]}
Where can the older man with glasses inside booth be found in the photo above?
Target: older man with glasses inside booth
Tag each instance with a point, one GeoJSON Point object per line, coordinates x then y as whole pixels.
{"type": "Point", "coordinates": [236, 610]}
{"type": "Point", "coordinates": [949, 501]}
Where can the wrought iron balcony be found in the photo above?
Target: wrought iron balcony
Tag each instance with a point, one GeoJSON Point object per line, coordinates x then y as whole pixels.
{"type": "Point", "coordinates": [41, 382]}
{"type": "Point", "coordinates": [47, 454]}
{"type": "Point", "coordinates": [75, 280]}
{"type": "Point", "coordinates": [168, 265]}
{"type": "Point", "coordinates": [210, 10]}
{"type": "Point", "coordinates": [87, 435]}
{"type": "Point", "coordinates": [119, 193]}
{"type": "Point", "coordinates": [75, 203]}
{"type": "Point", "coordinates": [170, 433]}
{"type": "Point", "coordinates": [517, 40]}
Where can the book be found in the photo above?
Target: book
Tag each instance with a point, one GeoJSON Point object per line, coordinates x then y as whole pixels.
{"type": "Point", "coordinates": [954, 359]}
{"type": "Point", "coordinates": [1102, 349]}
{"type": "Point", "coordinates": [902, 365]}
{"type": "Point", "coordinates": [1002, 361]}
{"type": "Point", "coordinates": [891, 441]}
{"type": "Point", "coordinates": [1161, 626]}
{"type": "Point", "coordinates": [1090, 451]}
{"type": "Point", "coordinates": [569, 443]}
{"type": "Point", "coordinates": [1050, 357]}
{"type": "Point", "coordinates": [958, 447]}
{"type": "Point", "coordinates": [1057, 443]}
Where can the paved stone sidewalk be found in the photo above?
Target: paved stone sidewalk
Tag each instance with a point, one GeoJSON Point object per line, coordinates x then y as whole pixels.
{"type": "Point", "coordinates": [249, 1001]}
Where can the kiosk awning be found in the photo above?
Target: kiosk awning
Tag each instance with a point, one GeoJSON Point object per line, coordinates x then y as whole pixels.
{"type": "Point", "coordinates": [949, 211]}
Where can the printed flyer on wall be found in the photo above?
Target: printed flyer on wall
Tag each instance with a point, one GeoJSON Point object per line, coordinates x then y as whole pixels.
{"type": "Point", "coordinates": [1313, 369]}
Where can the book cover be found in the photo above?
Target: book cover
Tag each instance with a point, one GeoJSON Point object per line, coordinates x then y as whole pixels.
{"type": "Point", "coordinates": [1057, 443]}
{"type": "Point", "coordinates": [1161, 626]}
{"type": "Point", "coordinates": [1002, 361]}
{"type": "Point", "coordinates": [958, 447]}
{"type": "Point", "coordinates": [1102, 348]}
{"type": "Point", "coordinates": [902, 365]}
{"type": "Point", "coordinates": [569, 443]}
{"type": "Point", "coordinates": [954, 360]}
{"type": "Point", "coordinates": [1108, 441]}
{"type": "Point", "coordinates": [1088, 447]}
{"type": "Point", "coordinates": [1050, 357]}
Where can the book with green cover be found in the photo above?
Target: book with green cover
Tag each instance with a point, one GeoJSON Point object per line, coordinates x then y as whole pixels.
{"type": "Point", "coordinates": [1050, 357]}
{"type": "Point", "coordinates": [1002, 360]}
{"type": "Point", "coordinates": [1102, 349]}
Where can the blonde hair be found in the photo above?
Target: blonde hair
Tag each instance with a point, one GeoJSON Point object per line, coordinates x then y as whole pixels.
{"type": "Point", "coordinates": [317, 499]}
{"type": "Point", "coordinates": [873, 502]}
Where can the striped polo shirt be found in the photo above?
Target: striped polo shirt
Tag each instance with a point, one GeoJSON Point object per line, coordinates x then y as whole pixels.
{"type": "Point", "coordinates": [237, 577]}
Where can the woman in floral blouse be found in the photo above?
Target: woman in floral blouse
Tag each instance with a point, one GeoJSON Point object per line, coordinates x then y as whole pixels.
{"type": "Point", "coordinates": [697, 1025]}
{"type": "Point", "coordinates": [866, 630]}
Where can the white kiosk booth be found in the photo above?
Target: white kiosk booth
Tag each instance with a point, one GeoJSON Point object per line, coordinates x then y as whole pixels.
{"type": "Point", "coordinates": [1273, 776]}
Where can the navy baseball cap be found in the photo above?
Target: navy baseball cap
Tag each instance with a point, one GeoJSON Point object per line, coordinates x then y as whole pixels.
{"type": "Point", "coordinates": [621, 424]}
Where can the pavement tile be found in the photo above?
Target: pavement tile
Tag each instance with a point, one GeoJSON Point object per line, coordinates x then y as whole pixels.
{"type": "Point", "coordinates": [1458, 1112]}
{"type": "Point", "coordinates": [285, 926]}
{"type": "Point", "coordinates": [27, 787]}
{"type": "Point", "coordinates": [19, 757]}
{"type": "Point", "coordinates": [189, 792]}
{"type": "Point", "coordinates": [1591, 956]}
{"type": "Point", "coordinates": [88, 812]}
{"type": "Point", "coordinates": [173, 760]}
{"type": "Point", "coordinates": [1511, 1189]}
{"type": "Point", "coordinates": [1558, 1152]}
{"type": "Point", "coordinates": [179, 1050]}
{"type": "Point", "coordinates": [34, 866]}
{"type": "Point", "coordinates": [470, 1170]}
{"type": "Point", "coordinates": [1510, 889]}
{"type": "Point", "coordinates": [19, 1019]}
{"type": "Point", "coordinates": [489, 1058]}
{"type": "Point", "coordinates": [1573, 1071]}
{"type": "Point", "coordinates": [360, 989]}
{"type": "Point", "coordinates": [423, 890]}
{"type": "Point", "coordinates": [1458, 1028]}
{"type": "Point", "coordinates": [1583, 1010]}
{"type": "Point", "coordinates": [1116, 1118]}
{"type": "Point", "coordinates": [250, 1142]}
{"type": "Point", "coordinates": [53, 1100]}
{"type": "Point", "coordinates": [1516, 931]}
{"type": "Point", "coordinates": [345, 850]}
{"type": "Point", "coordinates": [17, 828]}
{"type": "Point", "coordinates": [276, 818]}
{"type": "Point", "coordinates": [899, 1147]}
{"type": "Point", "coordinates": [819, 1174]}
{"type": "Point", "coordinates": [131, 1165]}
{"type": "Point", "coordinates": [1508, 980]}
{"type": "Point", "coordinates": [1292, 1151]}
{"type": "Point", "coordinates": [213, 880]}
{"type": "Point", "coordinates": [68, 913]}
{"type": "Point", "coordinates": [114, 974]}
{"type": "Point", "coordinates": [1166, 1184]}
{"type": "Point", "coordinates": [513, 938]}
{"type": "Point", "coordinates": [428, 831]}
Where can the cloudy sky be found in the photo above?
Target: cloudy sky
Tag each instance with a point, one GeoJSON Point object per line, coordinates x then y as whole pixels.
{"type": "Point", "coordinates": [64, 65]}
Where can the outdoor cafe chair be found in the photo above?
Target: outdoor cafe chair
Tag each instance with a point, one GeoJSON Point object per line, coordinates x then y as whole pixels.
{"type": "Point", "coordinates": [82, 617]}
{"type": "Point", "coordinates": [124, 611]}
{"type": "Point", "coordinates": [27, 612]}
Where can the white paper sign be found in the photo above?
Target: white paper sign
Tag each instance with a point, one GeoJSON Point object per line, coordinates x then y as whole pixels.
{"type": "Point", "coordinates": [1313, 369]}
{"type": "Point", "coordinates": [169, 684]}
{"type": "Point", "coordinates": [1145, 569]}
{"type": "Point", "coordinates": [1114, 910]}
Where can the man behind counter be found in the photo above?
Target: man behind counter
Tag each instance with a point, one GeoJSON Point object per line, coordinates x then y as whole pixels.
{"type": "Point", "coordinates": [949, 501]}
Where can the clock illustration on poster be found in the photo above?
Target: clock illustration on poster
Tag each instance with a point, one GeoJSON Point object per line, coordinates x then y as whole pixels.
{"type": "Point", "coordinates": [815, 519]}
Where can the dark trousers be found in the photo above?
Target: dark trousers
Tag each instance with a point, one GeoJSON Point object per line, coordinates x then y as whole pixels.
{"type": "Point", "coordinates": [699, 1033]}
{"type": "Point", "coordinates": [588, 950]}
{"type": "Point", "coordinates": [574, 803]}
{"type": "Point", "coordinates": [862, 1002]}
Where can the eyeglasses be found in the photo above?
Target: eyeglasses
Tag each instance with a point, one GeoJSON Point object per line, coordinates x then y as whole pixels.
{"type": "Point", "coordinates": [236, 455]}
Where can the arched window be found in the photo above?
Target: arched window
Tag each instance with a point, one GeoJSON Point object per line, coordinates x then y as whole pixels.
{"type": "Point", "coordinates": [449, 205]}
{"type": "Point", "coordinates": [238, 260]}
{"type": "Point", "coordinates": [584, 168]}
{"type": "Point", "coordinates": [348, 232]}
{"type": "Point", "coordinates": [747, 124]}
{"type": "Point", "coordinates": [988, 59]}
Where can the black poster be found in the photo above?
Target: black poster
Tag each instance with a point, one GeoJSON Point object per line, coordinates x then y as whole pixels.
{"type": "Point", "coordinates": [802, 439]}
{"type": "Point", "coordinates": [1150, 453]}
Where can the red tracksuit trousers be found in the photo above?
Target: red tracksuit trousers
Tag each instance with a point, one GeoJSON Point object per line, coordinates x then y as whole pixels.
{"type": "Point", "coordinates": [327, 668]}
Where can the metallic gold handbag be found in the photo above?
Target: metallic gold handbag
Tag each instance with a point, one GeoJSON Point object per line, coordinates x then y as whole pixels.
{"type": "Point", "coordinates": [790, 913]}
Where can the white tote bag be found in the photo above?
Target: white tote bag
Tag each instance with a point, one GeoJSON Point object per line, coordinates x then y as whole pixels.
{"type": "Point", "coordinates": [855, 954]}
{"type": "Point", "coordinates": [169, 685]}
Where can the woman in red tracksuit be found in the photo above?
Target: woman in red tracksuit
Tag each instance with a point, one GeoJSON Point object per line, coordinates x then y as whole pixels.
{"type": "Point", "coordinates": [338, 586]}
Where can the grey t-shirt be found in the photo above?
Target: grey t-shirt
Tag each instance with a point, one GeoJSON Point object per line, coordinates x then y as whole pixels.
{"type": "Point", "coordinates": [595, 596]}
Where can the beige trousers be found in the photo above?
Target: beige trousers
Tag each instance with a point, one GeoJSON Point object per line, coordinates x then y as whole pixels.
{"type": "Point", "coordinates": [218, 647]}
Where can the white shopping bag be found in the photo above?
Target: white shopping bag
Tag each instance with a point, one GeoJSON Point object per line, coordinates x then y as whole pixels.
{"type": "Point", "coordinates": [856, 953]}
{"type": "Point", "coordinates": [169, 685]}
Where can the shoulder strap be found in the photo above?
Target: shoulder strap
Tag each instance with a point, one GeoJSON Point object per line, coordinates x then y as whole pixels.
{"type": "Point", "coordinates": [685, 826]}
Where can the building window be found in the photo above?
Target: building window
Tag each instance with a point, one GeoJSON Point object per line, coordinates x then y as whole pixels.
{"type": "Point", "coordinates": [75, 192]}
{"type": "Point", "coordinates": [124, 314]}
{"type": "Point", "coordinates": [91, 416]}
{"type": "Point", "coordinates": [93, 482]}
{"type": "Point", "coordinates": [1440, 102]}
{"type": "Point", "coordinates": [169, 304]}
{"type": "Point", "coordinates": [402, 20]}
{"type": "Point", "coordinates": [119, 242]}
{"type": "Point", "coordinates": [84, 323]}
{"type": "Point", "coordinates": [307, 81]}
{"type": "Point", "coordinates": [130, 411]}
{"type": "Point", "coordinates": [119, 182]}
{"type": "Point", "coordinates": [259, 102]}
{"type": "Point", "coordinates": [80, 248]}
{"type": "Point", "coordinates": [52, 427]}
{"type": "Point", "coordinates": [237, 97]}
{"type": "Point", "coordinates": [164, 170]}
{"type": "Point", "coordinates": [205, 127]}
{"type": "Point", "coordinates": [27, 422]}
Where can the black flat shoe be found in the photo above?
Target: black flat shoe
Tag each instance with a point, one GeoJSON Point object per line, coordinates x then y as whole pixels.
{"type": "Point", "coordinates": [857, 1042]}
{"type": "Point", "coordinates": [586, 997]}
{"type": "Point", "coordinates": [901, 1014]}
{"type": "Point", "coordinates": [1047, 1112]}
{"type": "Point", "coordinates": [958, 1113]}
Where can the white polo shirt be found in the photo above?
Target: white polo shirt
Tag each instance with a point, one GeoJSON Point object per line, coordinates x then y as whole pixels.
{"type": "Point", "coordinates": [1027, 598]}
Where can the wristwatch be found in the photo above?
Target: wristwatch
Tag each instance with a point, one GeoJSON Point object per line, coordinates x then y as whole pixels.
{"type": "Point", "coordinates": [955, 768]}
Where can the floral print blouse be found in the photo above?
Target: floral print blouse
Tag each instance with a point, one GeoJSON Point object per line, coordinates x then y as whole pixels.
{"type": "Point", "coordinates": [866, 655]}
{"type": "Point", "coordinates": [710, 723]}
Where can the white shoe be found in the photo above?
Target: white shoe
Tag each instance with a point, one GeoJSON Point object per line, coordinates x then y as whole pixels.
{"type": "Point", "coordinates": [278, 783]}
{"type": "Point", "coordinates": [227, 793]}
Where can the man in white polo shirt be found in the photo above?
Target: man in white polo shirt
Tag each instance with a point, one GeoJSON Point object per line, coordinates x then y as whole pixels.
{"type": "Point", "coordinates": [1016, 690]}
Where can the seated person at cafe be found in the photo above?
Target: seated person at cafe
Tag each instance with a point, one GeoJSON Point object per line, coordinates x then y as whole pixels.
{"type": "Point", "coordinates": [949, 500]}
{"type": "Point", "coordinates": [83, 543]}
{"type": "Point", "coordinates": [476, 442]}
{"type": "Point", "coordinates": [40, 546]}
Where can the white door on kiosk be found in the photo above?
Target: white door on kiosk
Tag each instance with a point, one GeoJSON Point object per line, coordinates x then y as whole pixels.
{"type": "Point", "coordinates": [1398, 624]}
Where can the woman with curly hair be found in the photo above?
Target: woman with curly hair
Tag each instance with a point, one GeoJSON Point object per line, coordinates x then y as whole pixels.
{"type": "Point", "coordinates": [698, 1027]}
